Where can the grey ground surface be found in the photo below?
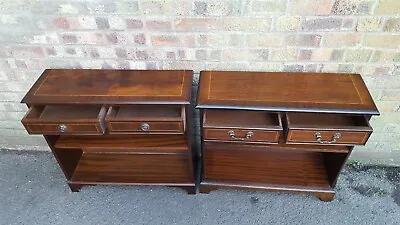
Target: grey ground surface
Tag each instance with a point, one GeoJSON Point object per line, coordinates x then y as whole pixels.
{"type": "Point", "coordinates": [33, 191]}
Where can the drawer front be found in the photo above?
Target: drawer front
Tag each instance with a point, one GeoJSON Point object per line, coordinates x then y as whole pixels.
{"type": "Point", "coordinates": [64, 128]}
{"type": "Point", "coordinates": [241, 135]}
{"type": "Point", "coordinates": [65, 119]}
{"type": "Point", "coordinates": [334, 137]}
{"type": "Point", "coordinates": [148, 127]}
{"type": "Point", "coordinates": [133, 168]}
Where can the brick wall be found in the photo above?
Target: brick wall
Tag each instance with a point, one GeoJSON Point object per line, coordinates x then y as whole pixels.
{"type": "Point", "coordinates": [360, 36]}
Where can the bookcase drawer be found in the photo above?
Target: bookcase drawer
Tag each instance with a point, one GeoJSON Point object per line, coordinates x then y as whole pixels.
{"type": "Point", "coordinates": [146, 119]}
{"type": "Point", "coordinates": [65, 119]}
{"type": "Point", "coordinates": [242, 126]}
{"type": "Point", "coordinates": [327, 129]}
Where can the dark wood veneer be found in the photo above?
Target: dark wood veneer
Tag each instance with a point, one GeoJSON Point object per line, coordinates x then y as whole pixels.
{"type": "Point", "coordinates": [124, 142]}
{"type": "Point", "coordinates": [265, 166]}
{"type": "Point", "coordinates": [220, 125]}
{"type": "Point", "coordinates": [287, 91]}
{"type": "Point", "coordinates": [302, 128]}
{"type": "Point", "coordinates": [133, 168]}
{"type": "Point", "coordinates": [158, 119]}
{"type": "Point", "coordinates": [116, 87]}
{"type": "Point", "coordinates": [115, 126]}
{"type": "Point", "coordinates": [75, 119]}
{"type": "Point", "coordinates": [317, 119]}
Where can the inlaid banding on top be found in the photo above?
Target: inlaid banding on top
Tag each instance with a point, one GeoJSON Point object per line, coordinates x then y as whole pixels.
{"type": "Point", "coordinates": [306, 88]}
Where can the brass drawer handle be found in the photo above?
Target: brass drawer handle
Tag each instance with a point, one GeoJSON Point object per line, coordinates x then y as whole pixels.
{"type": "Point", "coordinates": [145, 127]}
{"type": "Point", "coordinates": [62, 128]}
{"type": "Point", "coordinates": [336, 136]}
{"type": "Point", "coordinates": [232, 135]}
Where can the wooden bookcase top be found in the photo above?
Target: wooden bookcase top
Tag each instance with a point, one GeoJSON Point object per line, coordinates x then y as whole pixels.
{"type": "Point", "coordinates": [63, 86]}
{"type": "Point", "coordinates": [285, 91]}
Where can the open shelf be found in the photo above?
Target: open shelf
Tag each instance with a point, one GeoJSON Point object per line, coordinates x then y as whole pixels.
{"type": "Point", "coordinates": [129, 168]}
{"type": "Point", "coordinates": [125, 159]}
{"type": "Point", "coordinates": [269, 168]}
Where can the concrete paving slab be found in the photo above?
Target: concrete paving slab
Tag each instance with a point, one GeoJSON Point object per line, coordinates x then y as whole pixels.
{"type": "Point", "coordinates": [33, 191]}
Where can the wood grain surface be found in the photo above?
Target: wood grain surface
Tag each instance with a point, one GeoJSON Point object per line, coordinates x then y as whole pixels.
{"type": "Point", "coordinates": [285, 91]}
{"type": "Point", "coordinates": [113, 142]}
{"type": "Point", "coordinates": [303, 128]}
{"type": "Point", "coordinates": [75, 119]}
{"type": "Point", "coordinates": [111, 87]}
{"type": "Point", "coordinates": [133, 168]}
{"type": "Point", "coordinates": [265, 166]}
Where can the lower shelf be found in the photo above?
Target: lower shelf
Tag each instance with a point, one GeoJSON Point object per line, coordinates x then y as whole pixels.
{"type": "Point", "coordinates": [266, 168]}
{"type": "Point", "coordinates": [124, 159]}
{"type": "Point", "coordinates": [133, 168]}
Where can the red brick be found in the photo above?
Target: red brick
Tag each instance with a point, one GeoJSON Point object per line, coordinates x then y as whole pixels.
{"type": "Point", "coordinates": [310, 7]}
{"type": "Point", "coordinates": [25, 51]}
{"type": "Point", "coordinates": [265, 40]}
{"type": "Point", "coordinates": [51, 51]}
{"type": "Point", "coordinates": [83, 37]}
{"type": "Point", "coordinates": [322, 54]}
{"type": "Point", "coordinates": [119, 38]}
{"type": "Point", "coordinates": [329, 23]}
{"type": "Point", "coordinates": [235, 55]}
{"type": "Point", "coordinates": [311, 40]}
{"type": "Point", "coordinates": [60, 22]}
{"type": "Point", "coordinates": [102, 23]}
{"type": "Point", "coordinates": [152, 66]}
{"type": "Point", "coordinates": [341, 40]}
{"type": "Point", "coordinates": [200, 8]}
{"type": "Point", "coordinates": [348, 24]}
{"type": "Point", "coordinates": [382, 41]}
{"type": "Point", "coordinates": [90, 38]}
{"type": "Point", "coordinates": [344, 7]}
{"type": "Point", "coordinates": [83, 22]}
{"type": "Point", "coordinates": [170, 55]}
{"type": "Point", "coordinates": [166, 8]}
{"type": "Point", "coordinates": [305, 54]}
{"type": "Point", "coordinates": [26, 63]}
{"type": "Point", "coordinates": [173, 40]}
{"type": "Point", "coordinates": [184, 65]}
{"type": "Point", "coordinates": [121, 53]}
{"type": "Point", "coordinates": [140, 39]}
{"type": "Point", "coordinates": [192, 24]}
{"type": "Point", "coordinates": [246, 24]}
{"type": "Point", "coordinates": [259, 55]}
{"type": "Point", "coordinates": [69, 38]}
{"type": "Point", "coordinates": [158, 24]}
{"type": "Point", "coordinates": [293, 68]}
{"type": "Point", "coordinates": [134, 24]}
{"type": "Point", "coordinates": [201, 54]}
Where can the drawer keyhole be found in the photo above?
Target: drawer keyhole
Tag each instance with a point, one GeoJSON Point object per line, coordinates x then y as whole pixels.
{"type": "Point", "coordinates": [62, 128]}
{"type": "Point", "coordinates": [145, 127]}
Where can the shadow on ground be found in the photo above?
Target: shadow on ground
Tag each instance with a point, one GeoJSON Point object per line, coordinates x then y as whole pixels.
{"type": "Point", "coordinates": [33, 191]}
